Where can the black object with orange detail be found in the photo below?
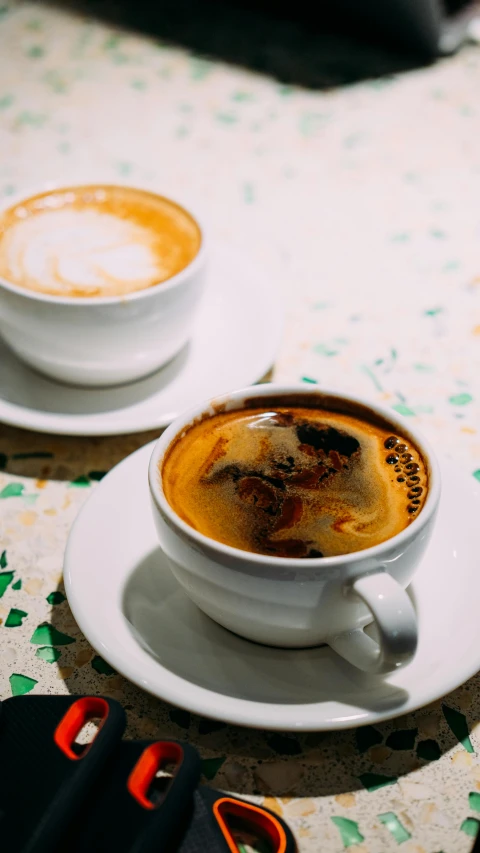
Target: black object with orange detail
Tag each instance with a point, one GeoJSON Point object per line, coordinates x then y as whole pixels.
{"type": "Point", "coordinates": [44, 773]}
{"type": "Point", "coordinates": [221, 822]}
{"type": "Point", "coordinates": [113, 796]}
{"type": "Point", "coordinates": [147, 801]}
{"type": "Point", "coordinates": [142, 802]}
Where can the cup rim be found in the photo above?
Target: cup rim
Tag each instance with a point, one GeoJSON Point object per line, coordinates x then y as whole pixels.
{"type": "Point", "coordinates": [272, 390]}
{"type": "Point", "coordinates": [168, 284]}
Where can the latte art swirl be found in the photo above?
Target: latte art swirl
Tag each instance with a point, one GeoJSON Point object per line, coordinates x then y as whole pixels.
{"type": "Point", "coordinates": [95, 243]}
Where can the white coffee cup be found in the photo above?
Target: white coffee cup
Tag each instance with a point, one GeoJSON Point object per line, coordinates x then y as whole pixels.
{"type": "Point", "coordinates": [296, 603]}
{"type": "Point", "coordinates": [102, 340]}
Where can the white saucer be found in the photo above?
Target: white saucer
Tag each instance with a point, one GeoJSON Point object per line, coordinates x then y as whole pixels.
{"type": "Point", "coordinates": [132, 610]}
{"type": "Point", "coordinates": [234, 344]}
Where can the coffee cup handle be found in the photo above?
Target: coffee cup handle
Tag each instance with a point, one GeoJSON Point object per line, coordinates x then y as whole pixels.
{"type": "Point", "coordinates": [396, 623]}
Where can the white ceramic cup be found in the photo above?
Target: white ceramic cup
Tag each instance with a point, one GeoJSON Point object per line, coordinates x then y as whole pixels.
{"type": "Point", "coordinates": [102, 340]}
{"type": "Point", "coordinates": [296, 603]}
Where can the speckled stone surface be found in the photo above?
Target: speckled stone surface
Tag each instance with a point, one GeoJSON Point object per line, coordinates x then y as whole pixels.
{"type": "Point", "coordinates": [364, 203]}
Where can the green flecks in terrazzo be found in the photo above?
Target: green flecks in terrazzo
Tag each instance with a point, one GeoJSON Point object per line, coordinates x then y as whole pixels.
{"type": "Point", "coordinates": [6, 101]}
{"type": "Point", "coordinates": [243, 97]}
{"type": "Point", "coordinates": [432, 312]}
{"type": "Point", "coordinates": [474, 801]}
{"type": "Point", "coordinates": [248, 193]}
{"type": "Point", "coordinates": [40, 454]}
{"type": "Point", "coordinates": [21, 684]}
{"type": "Point", "coordinates": [402, 739]}
{"type": "Point", "coordinates": [5, 579]}
{"type": "Point", "coordinates": [199, 68]}
{"type": "Point", "coordinates": [124, 168]}
{"type": "Point", "coordinates": [423, 368]}
{"type": "Point", "coordinates": [428, 750]}
{"type": "Point", "coordinates": [80, 481]}
{"type": "Point", "coordinates": [226, 118]}
{"type": "Point", "coordinates": [348, 829]}
{"type": "Point", "coordinates": [55, 597]}
{"type": "Point", "coordinates": [56, 81]}
{"type": "Point", "coordinates": [395, 828]}
{"type": "Point", "coordinates": [8, 189]}
{"type": "Point", "coordinates": [36, 51]}
{"type": "Point", "coordinates": [325, 350]}
{"type": "Point", "coordinates": [180, 717]}
{"type": "Point", "coordinates": [460, 399]}
{"type": "Point", "coordinates": [64, 147]}
{"type": "Point", "coordinates": [402, 237]}
{"type": "Point", "coordinates": [284, 745]}
{"type": "Point", "coordinates": [17, 585]}
{"type": "Point", "coordinates": [451, 266]}
{"type": "Point", "coordinates": [309, 380]}
{"type": "Point", "coordinates": [3, 560]}
{"type": "Point", "coordinates": [310, 123]}
{"type": "Point", "coordinates": [30, 119]}
{"type": "Point", "coordinates": [366, 737]}
{"type": "Point", "coordinates": [476, 474]}
{"type": "Point", "coordinates": [211, 766]}
{"type": "Point", "coordinates": [457, 723]}
{"type": "Point", "coordinates": [206, 727]}
{"type": "Point", "coordinates": [29, 500]}
{"type": "Point", "coordinates": [34, 25]}
{"type": "Point", "coordinates": [48, 654]}
{"type": "Point", "coordinates": [374, 781]}
{"type": "Point", "coordinates": [470, 827]}
{"type": "Point", "coordinates": [112, 42]}
{"type": "Point", "coordinates": [368, 372]}
{"type": "Point", "coordinates": [402, 409]}
{"type": "Point", "coordinates": [182, 131]}
{"type": "Point", "coordinates": [101, 666]}
{"type": "Point", "coordinates": [438, 234]}
{"type": "Point", "coordinates": [15, 618]}
{"type": "Point", "coordinates": [352, 140]}
{"type": "Point", "coordinates": [47, 635]}
{"type": "Point", "coordinates": [13, 490]}
{"type": "Point", "coordinates": [139, 85]}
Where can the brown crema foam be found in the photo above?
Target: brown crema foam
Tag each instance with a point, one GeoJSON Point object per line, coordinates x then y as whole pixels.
{"type": "Point", "coordinates": [295, 481]}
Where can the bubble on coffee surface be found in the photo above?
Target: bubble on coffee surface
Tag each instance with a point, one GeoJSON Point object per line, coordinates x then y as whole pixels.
{"type": "Point", "coordinates": [95, 241]}
{"type": "Point", "coordinates": [291, 483]}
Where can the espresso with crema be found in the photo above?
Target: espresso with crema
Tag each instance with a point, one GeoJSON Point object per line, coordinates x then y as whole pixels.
{"type": "Point", "coordinates": [95, 240]}
{"type": "Point", "coordinates": [295, 482]}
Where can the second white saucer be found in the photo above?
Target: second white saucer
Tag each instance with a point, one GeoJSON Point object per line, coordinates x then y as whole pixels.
{"type": "Point", "coordinates": [235, 341]}
{"type": "Point", "coordinates": [135, 614]}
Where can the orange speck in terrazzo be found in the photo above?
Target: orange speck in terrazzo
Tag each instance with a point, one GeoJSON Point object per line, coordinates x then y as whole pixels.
{"type": "Point", "coordinates": [50, 511]}
{"type": "Point", "coordinates": [65, 672]}
{"type": "Point", "coordinates": [379, 754]}
{"type": "Point", "coordinates": [346, 800]}
{"type": "Point", "coordinates": [468, 430]}
{"type": "Point", "coordinates": [27, 518]}
{"type": "Point", "coordinates": [40, 484]}
{"type": "Point", "coordinates": [273, 804]}
{"type": "Point", "coordinates": [83, 657]}
{"type": "Point", "coordinates": [476, 330]}
{"type": "Point", "coordinates": [462, 759]}
{"type": "Point", "coordinates": [33, 586]}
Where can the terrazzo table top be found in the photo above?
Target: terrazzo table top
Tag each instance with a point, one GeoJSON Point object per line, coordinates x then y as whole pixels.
{"type": "Point", "coordinates": [363, 201]}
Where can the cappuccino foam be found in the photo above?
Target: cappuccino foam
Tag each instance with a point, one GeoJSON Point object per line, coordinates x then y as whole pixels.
{"type": "Point", "coordinates": [294, 482]}
{"type": "Point", "coordinates": [95, 241]}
